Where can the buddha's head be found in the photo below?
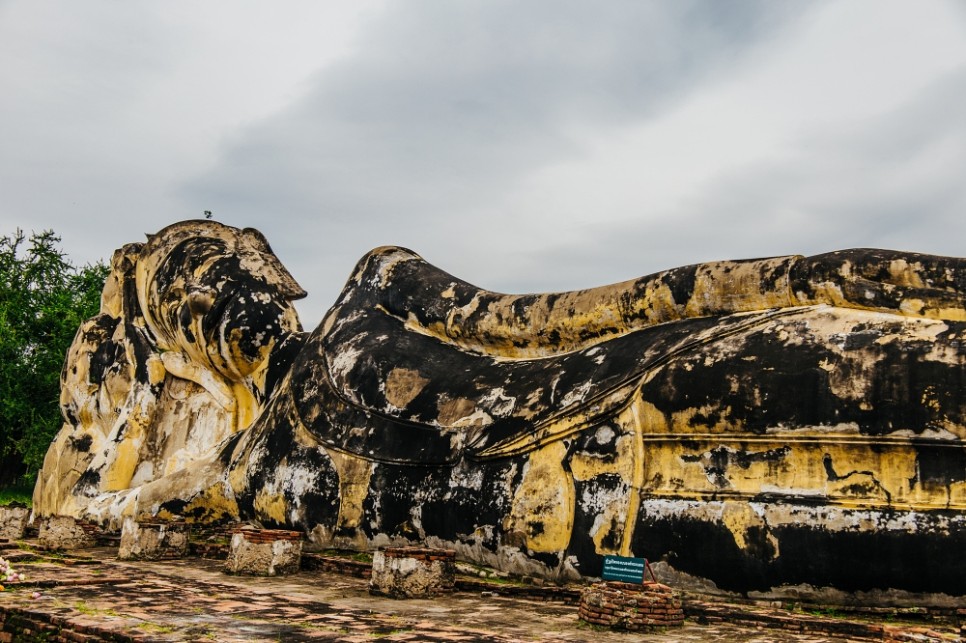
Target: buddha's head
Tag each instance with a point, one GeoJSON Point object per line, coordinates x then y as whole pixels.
{"type": "Point", "coordinates": [218, 294]}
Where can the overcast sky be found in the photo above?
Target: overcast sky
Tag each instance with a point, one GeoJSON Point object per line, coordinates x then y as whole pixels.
{"type": "Point", "coordinates": [523, 146]}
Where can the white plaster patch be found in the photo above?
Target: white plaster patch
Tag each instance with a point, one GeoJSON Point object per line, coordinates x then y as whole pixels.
{"type": "Point", "coordinates": [498, 403]}
{"type": "Point", "coordinates": [576, 394]}
{"type": "Point", "coordinates": [143, 473]}
{"type": "Point", "coordinates": [596, 501]}
{"type": "Point", "coordinates": [343, 362]}
{"type": "Point", "coordinates": [842, 428]}
{"type": "Point", "coordinates": [832, 518]}
{"type": "Point", "coordinates": [466, 478]}
{"type": "Point", "coordinates": [604, 435]}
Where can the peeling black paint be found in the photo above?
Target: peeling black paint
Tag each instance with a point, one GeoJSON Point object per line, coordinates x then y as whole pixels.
{"type": "Point", "coordinates": [265, 453]}
{"type": "Point", "coordinates": [809, 553]}
{"type": "Point", "coordinates": [939, 466]}
{"type": "Point", "coordinates": [585, 517]}
{"type": "Point", "coordinates": [87, 483]}
{"type": "Point", "coordinates": [81, 444]}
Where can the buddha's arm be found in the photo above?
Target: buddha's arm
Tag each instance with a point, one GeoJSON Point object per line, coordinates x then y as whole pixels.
{"type": "Point", "coordinates": [436, 303]}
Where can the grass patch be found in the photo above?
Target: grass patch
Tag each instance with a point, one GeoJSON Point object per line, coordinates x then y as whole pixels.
{"type": "Point", "coordinates": [84, 608]}
{"type": "Point", "coordinates": [593, 627]}
{"type": "Point", "coordinates": [499, 580]}
{"type": "Point", "coordinates": [358, 556]}
{"type": "Point", "coordinates": [157, 628]}
{"type": "Point", "coordinates": [827, 612]}
{"type": "Point", "coordinates": [20, 494]}
{"type": "Point", "coordinates": [380, 635]}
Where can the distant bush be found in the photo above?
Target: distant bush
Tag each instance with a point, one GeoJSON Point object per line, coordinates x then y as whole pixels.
{"type": "Point", "coordinates": [43, 300]}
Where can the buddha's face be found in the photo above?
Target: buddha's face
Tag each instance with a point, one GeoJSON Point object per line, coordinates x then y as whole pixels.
{"type": "Point", "coordinates": [217, 294]}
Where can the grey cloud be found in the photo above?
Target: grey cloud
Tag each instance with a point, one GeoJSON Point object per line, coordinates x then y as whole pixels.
{"type": "Point", "coordinates": [447, 106]}
{"type": "Point", "coordinates": [441, 126]}
{"type": "Point", "coordinates": [891, 182]}
{"type": "Point", "coordinates": [73, 75]}
{"type": "Point", "coordinates": [448, 101]}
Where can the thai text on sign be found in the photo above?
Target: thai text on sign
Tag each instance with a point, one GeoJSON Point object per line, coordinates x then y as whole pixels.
{"type": "Point", "coordinates": [623, 568]}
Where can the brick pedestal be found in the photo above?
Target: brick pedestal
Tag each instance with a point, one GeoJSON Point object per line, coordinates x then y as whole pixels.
{"type": "Point", "coordinates": [66, 532]}
{"type": "Point", "coordinates": [626, 606]}
{"type": "Point", "coordinates": [149, 540]}
{"type": "Point", "coordinates": [412, 572]}
{"type": "Point", "coordinates": [13, 521]}
{"type": "Point", "coordinates": [264, 552]}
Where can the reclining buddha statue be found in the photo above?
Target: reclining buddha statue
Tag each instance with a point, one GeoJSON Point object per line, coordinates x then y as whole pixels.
{"type": "Point", "coordinates": [754, 424]}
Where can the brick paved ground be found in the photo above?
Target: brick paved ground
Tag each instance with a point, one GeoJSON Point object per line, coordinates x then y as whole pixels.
{"type": "Point", "coordinates": [194, 600]}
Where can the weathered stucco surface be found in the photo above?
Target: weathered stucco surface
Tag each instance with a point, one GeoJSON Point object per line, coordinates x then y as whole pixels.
{"type": "Point", "coordinates": [765, 423]}
{"type": "Point", "coordinates": [152, 541]}
{"type": "Point", "coordinates": [412, 572]}
{"type": "Point", "coordinates": [261, 554]}
{"type": "Point", "coordinates": [13, 521]}
{"type": "Point", "coordinates": [64, 532]}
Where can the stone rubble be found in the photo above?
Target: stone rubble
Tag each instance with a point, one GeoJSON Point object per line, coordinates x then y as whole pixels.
{"type": "Point", "coordinates": [625, 606]}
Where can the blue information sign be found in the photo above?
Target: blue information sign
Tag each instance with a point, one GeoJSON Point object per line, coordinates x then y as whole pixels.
{"type": "Point", "coordinates": [622, 568]}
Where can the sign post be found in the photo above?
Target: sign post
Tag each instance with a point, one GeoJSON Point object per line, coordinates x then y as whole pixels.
{"type": "Point", "coordinates": [624, 569]}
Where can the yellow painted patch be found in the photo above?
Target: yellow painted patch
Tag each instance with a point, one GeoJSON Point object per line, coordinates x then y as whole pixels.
{"type": "Point", "coordinates": [120, 470]}
{"type": "Point", "coordinates": [685, 421]}
{"type": "Point", "coordinates": [543, 504]}
{"type": "Point", "coordinates": [354, 474]}
{"type": "Point", "coordinates": [902, 274]}
{"type": "Point", "coordinates": [217, 503]}
{"type": "Point", "coordinates": [951, 314]}
{"type": "Point", "coordinates": [403, 385]}
{"type": "Point", "coordinates": [886, 478]}
{"type": "Point", "coordinates": [912, 307]}
{"type": "Point", "coordinates": [452, 411]}
{"type": "Point", "coordinates": [270, 506]}
{"type": "Point", "coordinates": [730, 286]}
{"type": "Point", "coordinates": [247, 408]}
{"type": "Point", "coordinates": [739, 518]}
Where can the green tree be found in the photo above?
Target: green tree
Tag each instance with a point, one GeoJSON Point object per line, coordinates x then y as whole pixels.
{"type": "Point", "coordinates": [43, 300]}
